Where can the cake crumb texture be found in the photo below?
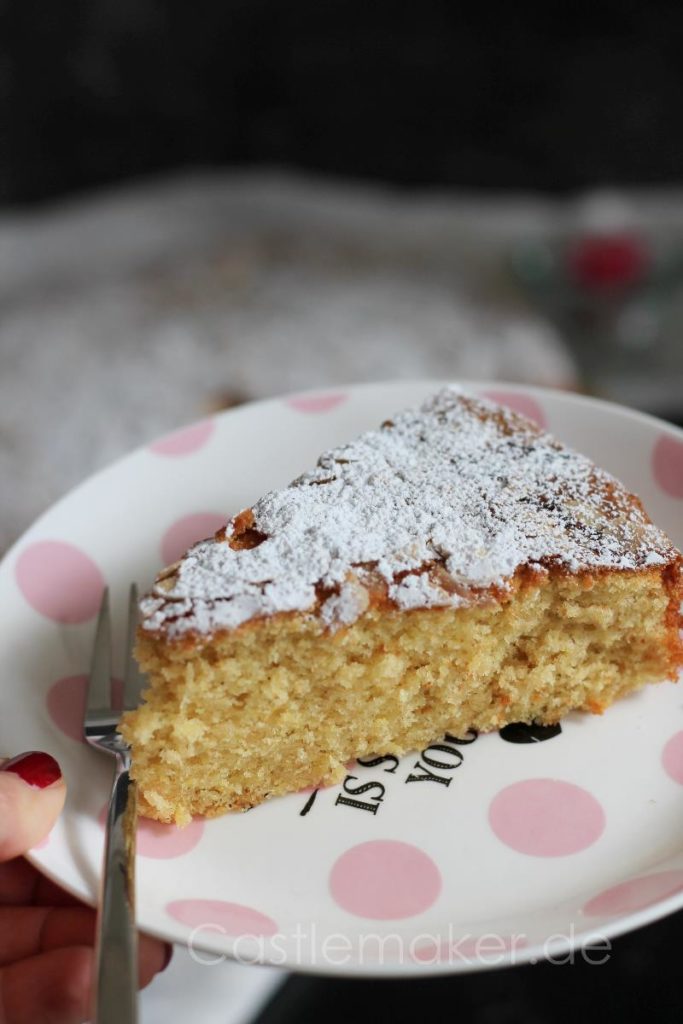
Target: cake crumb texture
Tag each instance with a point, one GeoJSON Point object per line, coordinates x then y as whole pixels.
{"type": "Point", "coordinates": [284, 702]}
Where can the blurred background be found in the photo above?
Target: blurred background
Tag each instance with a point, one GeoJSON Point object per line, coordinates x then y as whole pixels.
{"type": "Point", "coordinates": [206, 203]}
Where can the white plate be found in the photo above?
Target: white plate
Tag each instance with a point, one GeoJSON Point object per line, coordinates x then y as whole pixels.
{"type": "Point", "coordinates": [513, 852]}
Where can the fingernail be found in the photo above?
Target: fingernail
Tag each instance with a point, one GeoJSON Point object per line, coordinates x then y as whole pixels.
{"type": "Point", "coordinates": [35, 767]}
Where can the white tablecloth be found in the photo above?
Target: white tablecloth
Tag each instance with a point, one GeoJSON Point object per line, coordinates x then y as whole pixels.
{"type": "Point", "coordinates": [127, 314]}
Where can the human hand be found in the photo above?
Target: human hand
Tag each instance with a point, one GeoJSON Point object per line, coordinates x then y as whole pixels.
{"type": "Point", "coordinates": [46, 935]}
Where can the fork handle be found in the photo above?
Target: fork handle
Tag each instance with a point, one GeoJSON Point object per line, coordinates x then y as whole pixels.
{"type": "Point", "coordinates": [116, 949]}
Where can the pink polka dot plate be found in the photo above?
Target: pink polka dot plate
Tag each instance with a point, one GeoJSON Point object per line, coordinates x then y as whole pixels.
{"type": "Point", "coordinates": [475, 852]}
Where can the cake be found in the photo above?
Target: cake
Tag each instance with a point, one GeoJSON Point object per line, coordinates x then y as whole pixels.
{"type": "Point", "coordinates": [457, 568]}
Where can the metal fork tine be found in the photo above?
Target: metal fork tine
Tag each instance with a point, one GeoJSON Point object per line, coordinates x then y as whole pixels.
{"type": "Point", "coordinates": [133, 678]}
{"type": "Point", "coordinates": [116, 959]}
{"type": "Point", "coordinates": [100, 668]}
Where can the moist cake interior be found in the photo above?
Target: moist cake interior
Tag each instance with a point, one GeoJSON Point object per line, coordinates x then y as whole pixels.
{"type": "Point", "coordinates": [456, 569]}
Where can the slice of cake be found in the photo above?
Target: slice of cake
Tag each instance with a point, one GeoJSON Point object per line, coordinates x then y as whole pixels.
{"type": "Point", "coordinates": [455, 569]}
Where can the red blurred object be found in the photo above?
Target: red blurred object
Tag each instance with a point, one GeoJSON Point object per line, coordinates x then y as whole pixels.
{"type": "Point", "coordinates": [608, 262]}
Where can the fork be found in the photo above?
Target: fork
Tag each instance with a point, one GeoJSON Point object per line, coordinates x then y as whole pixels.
{"type": "Point", "coordinates": [116, 961]}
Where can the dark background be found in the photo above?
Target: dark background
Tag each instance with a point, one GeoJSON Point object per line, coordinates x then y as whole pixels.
{"type": "Point", "coordinates": [552, 97]}
{"type": "Point", "coordinates": [639, 982]}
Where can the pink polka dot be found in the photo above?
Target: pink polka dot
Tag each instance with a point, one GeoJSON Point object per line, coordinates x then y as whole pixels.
{"type": "Point", "coordinates": [667, 465]}
{"type": "Point", "coordinates": [154, 839]}
{"type": "Point", "coordinates": [232, 918]}
{"type": "Point", "coordinates": [546, 817]}
{"type": "Point", "coordinates": [59, 581]}
{"type": "Point", "coordinates": [635, 894]}
{"type": "Point", "coordinates": [161, 841]}
{"type": "Point", "coordinates": [486, 949]}
{"type": "Point", "coordinates": [66, 703]}
{"type": "Point", "coordinates": [117, 694]}
{"type": "Point", "coordinates": [317, 403]}
{"type": "Point", "coordinates": [672, 757]}
{"type": "Point", "coordinates": [187, 531]}
{"type": "Point", "coordinates": [184, 441]}
{"type": "Point", "coordinates": [523, 404]}
{"type": "Point", "coordinates": [385, 879]}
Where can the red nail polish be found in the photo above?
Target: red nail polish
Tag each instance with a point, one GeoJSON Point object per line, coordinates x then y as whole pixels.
{"type": "Point", "coordinates": [35, 767]}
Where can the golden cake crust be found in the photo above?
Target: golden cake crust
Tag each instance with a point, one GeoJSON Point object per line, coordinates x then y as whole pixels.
{"type": "Point", "coordinates": [458, 568]}
{"type": "Point", "coordinates": [440, 507]}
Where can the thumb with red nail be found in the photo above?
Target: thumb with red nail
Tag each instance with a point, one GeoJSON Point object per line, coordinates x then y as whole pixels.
{"type": "Point", "coordinates": [46, 935]}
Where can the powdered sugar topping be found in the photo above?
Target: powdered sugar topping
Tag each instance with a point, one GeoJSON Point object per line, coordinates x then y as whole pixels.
{"type": "Point", "coordinates": [438, 503]}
